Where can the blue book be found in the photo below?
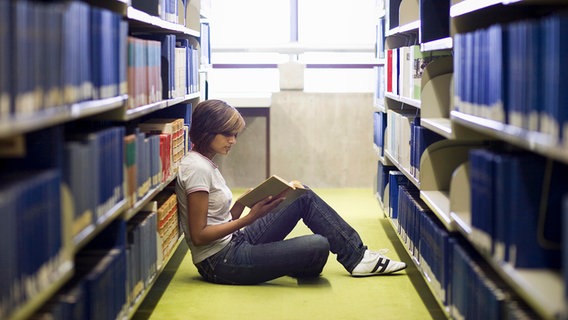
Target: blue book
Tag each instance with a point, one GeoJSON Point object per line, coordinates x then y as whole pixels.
{"type": "Point", "coordinates": [383, 178]}
{"type": "Point", "coordinates": [396, 179]}
{"type": "Point", "coordinates": [534, 232]}
{"type": "Point", "coordinates": [8, 245]}
{"type": "Point", "coordinates": [555, 31]}
{"type": "Point", "coordinates": [503, 214]}
{"type": "Point", "coordinates": [565, 246]}
{"type": "Point", "coordinates": [482, 198]}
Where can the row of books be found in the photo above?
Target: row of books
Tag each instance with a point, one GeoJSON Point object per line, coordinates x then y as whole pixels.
{"type": "Point", "coordinates": [398, 133]}
{"type": "Point", "coordinates": [425, 238]}
{"type": "Point", "coordinates": [161, 68]}
{"type": "Point", "coordinates": [404, 138]}
{"type": "Point", "coordinates": [405, 67]}
{"type": "Point", "coordinates": [113, 271]}
{"type": "Point", "coordinates": [89, 161]}
{"type": "Point", "coordinates": [32, 245]}
{"type": "Point", "coordinates": [518, 81]}
{"type": "Point", "coordinates": [141, 253]}
{"type": "Point", "coordinates": [144, 72]}
{"type": "Point", "coordinates": [459, 277]}
{"type": "Point", "coordinates": [93, 173]}
{"type": "Point", "coordinates": [153, 152]}
{"type": "Point", "coordinates": [516, 207]}
{"type": "Point", "coordinates": [61, 53]}
{"type": "Point", "coordinates": [477, 292]}
{"type": "Point", "coordinates": [168, 222]}
{"type": "Point", "coordinates": [420, 139]}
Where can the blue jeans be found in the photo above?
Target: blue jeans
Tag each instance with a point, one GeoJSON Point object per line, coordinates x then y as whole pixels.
{"type": "Point", "coordinates": [260, 252]}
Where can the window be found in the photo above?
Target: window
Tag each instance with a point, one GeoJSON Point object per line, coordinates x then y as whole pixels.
{"type": "Point", "coordinates": [249, 38]}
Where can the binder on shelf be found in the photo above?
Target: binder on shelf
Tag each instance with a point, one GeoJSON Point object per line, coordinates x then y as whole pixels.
{"type": "Point", "coordinates": [434, 255]}
{"type": "Point", "coordinates": [392, 10]}
{"type": "Point", "coordinates": [554, 115]}
{"type": "Point", "coordinates": [396, 179]}
{"type": "Point", "coordinates": [475, 284]}
{"type": "Point", "coordinates": [383, 173]}
{"type": "Point", "coordinates": [421, 138]}
{"type": "Point", "coordinates": [379, 127]}
{"type": "Point", "coordinates": [483, 200]}
{"type": "Point", "coordinates": [434, 20]}
{"type": "Point", "coordinates": [535, 235]}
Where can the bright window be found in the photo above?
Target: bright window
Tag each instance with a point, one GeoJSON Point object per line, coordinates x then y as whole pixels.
{"type": "Point", "coordinates": [334, 32]}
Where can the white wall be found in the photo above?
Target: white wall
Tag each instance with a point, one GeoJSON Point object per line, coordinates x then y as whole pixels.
{"type": "Point", "coordinates": [322, 139]}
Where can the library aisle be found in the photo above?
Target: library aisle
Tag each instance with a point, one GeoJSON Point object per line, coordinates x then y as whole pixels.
{"type": "Point", "coordinates": [180, 293]}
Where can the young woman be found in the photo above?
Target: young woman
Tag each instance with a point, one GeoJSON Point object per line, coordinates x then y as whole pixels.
{"type": "Point", "coordinates": [228, 248]}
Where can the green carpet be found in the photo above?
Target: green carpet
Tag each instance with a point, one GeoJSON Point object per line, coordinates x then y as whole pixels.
{"type": "Point", "coordinates": [180, 293]}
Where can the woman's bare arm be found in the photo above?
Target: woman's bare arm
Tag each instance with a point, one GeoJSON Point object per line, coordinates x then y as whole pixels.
{"type": "Point", "coordinates": [201, 233]}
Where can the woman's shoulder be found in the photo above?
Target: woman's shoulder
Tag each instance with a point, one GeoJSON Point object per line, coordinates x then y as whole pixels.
{"type": "Point", "coordinates": [196, 161]}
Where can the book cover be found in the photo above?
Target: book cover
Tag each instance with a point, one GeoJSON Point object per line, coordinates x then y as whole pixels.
{"type": "Point", "coordinates": [273, 186]}
{"type": "Point", "coordinates": [396, 178]}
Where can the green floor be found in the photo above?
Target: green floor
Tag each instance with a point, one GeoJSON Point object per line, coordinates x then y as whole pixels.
{"type": "Point", "coordinates": [180, 293]}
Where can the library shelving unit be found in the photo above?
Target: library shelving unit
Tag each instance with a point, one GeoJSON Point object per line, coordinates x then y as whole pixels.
{"type": "Point", "coordinates": [95, 104]}
{"type": "Point", "coordinates": [471, 96]}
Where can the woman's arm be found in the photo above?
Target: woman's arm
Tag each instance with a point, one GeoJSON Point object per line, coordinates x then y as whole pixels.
{"type": "Point", "coordinates": [201, 233]}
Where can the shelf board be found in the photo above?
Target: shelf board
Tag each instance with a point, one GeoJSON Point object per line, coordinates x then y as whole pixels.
{"type": "Point", "coordinates": [445, 309]}
{"type": "Point", "coordinates": [409, 27]}
{"type": "Point", "coordinates": [533, 141]}
{"type": "Point", "coordinates": [84, 237]}
{"type": "Point", "coordinates": [440, 44]}
{"type": "Point", "coordinates": [542, 289]}
{"type": "Point", "coordinates": [439, 202]}
{"type": "Point", "coordinates": [441, 126]}
{"type": "Point", "coordinates": [58, 115]}
{"type": "Point", "coordinates": [125, 114]}
{"type": "Point", "coordinates": [140, 298]}
{"type": "Point", "coordinates": [63, 273]}
{"type": "Point", "coordinates": [147, 197]}
{"type": "Point", "coordinates": [402, 169]}
{"type": "Point", "coordinates": [156, 24]}
{"type": "Point", "coordinates": [468, 6]}
{"type": "Point", "coordinates": [408, 101]}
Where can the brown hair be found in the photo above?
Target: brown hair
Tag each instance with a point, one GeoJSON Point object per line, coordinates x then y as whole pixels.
{"type": "Point", "coordinates": [212, 117]}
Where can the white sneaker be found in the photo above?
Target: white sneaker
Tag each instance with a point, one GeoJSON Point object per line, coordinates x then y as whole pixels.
{"type": "Point", "coordinates": [376, 263]}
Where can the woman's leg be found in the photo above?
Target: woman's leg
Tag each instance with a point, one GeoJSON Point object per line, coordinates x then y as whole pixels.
{"type": "Point", "coordinates": [244, 263]}
{"type": "Point", "coordinates": [320, 218]}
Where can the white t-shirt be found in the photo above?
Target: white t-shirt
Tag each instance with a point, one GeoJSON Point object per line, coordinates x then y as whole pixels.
{"type": "Point", "coordinates": [198, 173]}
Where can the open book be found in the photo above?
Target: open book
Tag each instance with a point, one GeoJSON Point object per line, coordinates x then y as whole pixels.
{"type": "Point", "coordinates": [275, 187]}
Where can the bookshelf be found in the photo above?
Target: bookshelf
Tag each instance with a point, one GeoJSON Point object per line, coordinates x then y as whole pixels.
{"type": "Point", "coordinates": [484, 119]}
{"type": "Point", "coordinates": [86, 196]}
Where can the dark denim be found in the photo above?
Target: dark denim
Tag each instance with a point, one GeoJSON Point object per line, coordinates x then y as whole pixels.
{"type": "Point", "coordinates": [259, 253]}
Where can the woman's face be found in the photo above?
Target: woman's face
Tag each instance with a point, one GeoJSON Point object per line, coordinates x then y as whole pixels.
{"type": "Point", "coordinates": [222, 143]}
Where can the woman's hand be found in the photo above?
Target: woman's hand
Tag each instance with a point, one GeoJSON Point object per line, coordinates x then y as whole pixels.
{"type": "Point", "coordinates": [261, 208]}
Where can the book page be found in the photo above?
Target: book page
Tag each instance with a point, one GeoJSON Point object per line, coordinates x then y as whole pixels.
{"type": "Point", "coordinates": [273, 186]}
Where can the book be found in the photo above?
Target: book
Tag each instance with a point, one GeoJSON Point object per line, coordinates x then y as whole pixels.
{"type": "Point", "coordinates": [273, 186]}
